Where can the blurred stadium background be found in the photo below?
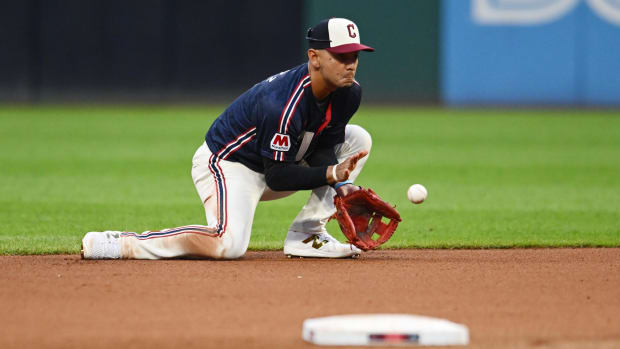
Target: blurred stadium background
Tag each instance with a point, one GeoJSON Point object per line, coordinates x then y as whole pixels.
{"type": "Point", "coordinates": [452, 52]}
{"type": "Point", "coordinates": [505, 109]}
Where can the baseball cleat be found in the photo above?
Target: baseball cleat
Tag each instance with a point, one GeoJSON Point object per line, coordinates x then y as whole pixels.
{"type": "Point", "coordinates": [321, 245]}
{"type": "Point", "coordinates": [101, 245]}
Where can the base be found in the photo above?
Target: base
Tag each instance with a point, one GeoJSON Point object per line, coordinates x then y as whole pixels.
{"type": "Point", "coordinates": [384, 330]}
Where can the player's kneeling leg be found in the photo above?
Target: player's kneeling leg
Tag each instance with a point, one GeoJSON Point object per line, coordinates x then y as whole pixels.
{"type": "Point", "coordinates": [183, 242]}
{"type": "Point", "coordinates": [217, 247]}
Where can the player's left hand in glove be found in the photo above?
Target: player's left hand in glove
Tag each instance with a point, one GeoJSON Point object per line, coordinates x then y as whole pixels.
{"type": "Point", "coordinates": [359, 215]}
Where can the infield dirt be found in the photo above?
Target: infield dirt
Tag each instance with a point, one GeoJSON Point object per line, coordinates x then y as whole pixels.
{"type": "Point", "coordinates": [522, 298]}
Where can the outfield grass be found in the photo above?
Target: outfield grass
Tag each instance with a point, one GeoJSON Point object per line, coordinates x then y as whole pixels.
{"type": "Point", "coordinates": [496, 178]}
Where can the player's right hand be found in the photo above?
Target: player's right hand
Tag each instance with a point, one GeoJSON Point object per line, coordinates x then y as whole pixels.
{"type": "Point", "coordinates": [344, 169]}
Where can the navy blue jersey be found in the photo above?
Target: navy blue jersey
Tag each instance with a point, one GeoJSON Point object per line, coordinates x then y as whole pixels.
{"type": "Point", "coordinates": [279, 119]}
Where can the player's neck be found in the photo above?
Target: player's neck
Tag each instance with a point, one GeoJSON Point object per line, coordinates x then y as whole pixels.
{"type": "Point", "coordinates": [320, 88]}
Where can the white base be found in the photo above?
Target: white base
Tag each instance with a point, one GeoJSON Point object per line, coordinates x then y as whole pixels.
{"type": "Point", "coordinates": [384, 330]}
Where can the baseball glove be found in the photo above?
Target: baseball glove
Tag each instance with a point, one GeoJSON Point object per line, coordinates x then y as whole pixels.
{"type": "Point", "coordinates": [359, 215]}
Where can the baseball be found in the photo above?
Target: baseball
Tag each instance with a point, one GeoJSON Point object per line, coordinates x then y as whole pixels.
{"type": "Point", "coordinates": [417, 193]}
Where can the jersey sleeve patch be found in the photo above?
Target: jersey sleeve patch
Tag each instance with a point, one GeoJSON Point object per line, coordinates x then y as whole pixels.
{"type": "Point", "coordinates": [280, 142]}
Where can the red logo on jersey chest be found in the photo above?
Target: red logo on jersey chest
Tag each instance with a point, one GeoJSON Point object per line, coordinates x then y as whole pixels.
{"type": "Point", "coordinates": [280, 142]}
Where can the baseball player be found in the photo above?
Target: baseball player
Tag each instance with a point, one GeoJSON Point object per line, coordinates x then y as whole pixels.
{"type": "Point", "coordinates": [287, 133]}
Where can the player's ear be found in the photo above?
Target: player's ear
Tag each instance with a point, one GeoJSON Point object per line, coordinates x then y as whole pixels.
{"type": "Point", "coordinates": [313, 58]}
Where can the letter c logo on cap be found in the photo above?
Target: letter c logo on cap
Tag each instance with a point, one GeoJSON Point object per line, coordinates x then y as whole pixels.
{"type": "Point", "coordinates": [351, 29]}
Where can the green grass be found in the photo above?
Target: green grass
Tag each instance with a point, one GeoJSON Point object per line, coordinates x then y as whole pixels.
{"type": "Point", "coordinates": [496, 178]}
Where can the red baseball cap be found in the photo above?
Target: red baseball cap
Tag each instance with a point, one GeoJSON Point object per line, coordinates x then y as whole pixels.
{"type": "Point", "coordinates": [336, 35]}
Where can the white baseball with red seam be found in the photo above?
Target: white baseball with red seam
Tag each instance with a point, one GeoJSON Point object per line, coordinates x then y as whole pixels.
{"type": "Point", "coordinates": [417, 193]}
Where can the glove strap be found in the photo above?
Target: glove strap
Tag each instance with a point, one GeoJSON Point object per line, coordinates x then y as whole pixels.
{"type": "Point", "coordinates": [340, 184]}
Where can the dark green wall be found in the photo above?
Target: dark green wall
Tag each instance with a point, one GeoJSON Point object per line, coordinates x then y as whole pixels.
{"type": "Point", "coordinates": [160, 50]}
{"type": "Point", "coordinates": [153, 50]}
{"type": "Point", "coordinates": [405, 34]}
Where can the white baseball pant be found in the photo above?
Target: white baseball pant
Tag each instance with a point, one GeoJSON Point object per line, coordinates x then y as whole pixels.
{"type": "Point", "coordinates": [230, 192]}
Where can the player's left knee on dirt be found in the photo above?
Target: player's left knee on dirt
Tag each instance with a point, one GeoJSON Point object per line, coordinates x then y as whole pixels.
{"type": "Point", "coordinates": [233, 246]}
{"type": "Point", "coordinates": [233, 253]}
{"type": "Point", "coordinates": [204, 246]}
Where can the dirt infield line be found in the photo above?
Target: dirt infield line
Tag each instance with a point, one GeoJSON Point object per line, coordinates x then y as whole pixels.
{"type": "Point", "coordinates": [522, 298]}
